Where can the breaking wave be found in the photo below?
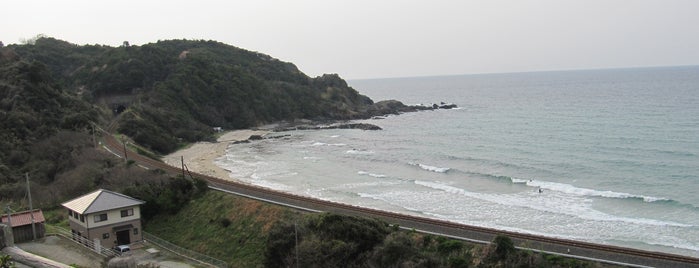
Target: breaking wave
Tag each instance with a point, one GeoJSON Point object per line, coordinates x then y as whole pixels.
{"type": "Point", "coordinates": [431, 168]}
{"type": "Point", "coordinates": [371, 174]}
{"type": "Point", "coordinates": [570, 189]}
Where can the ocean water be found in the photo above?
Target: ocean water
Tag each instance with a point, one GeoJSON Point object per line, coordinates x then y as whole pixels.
{"type": "Point", "coordinates": [615, 154]}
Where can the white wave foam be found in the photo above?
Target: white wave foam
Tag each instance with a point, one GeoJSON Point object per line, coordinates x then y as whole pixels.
{"type": "Point", "coordinates": [683, 245]}
{"type": "Point", "coordinates": [371, 196]}
{"type": "Point", "coordinates": [327, 144]}
{"type": "Point", "coordinates": [355, 151]}
{"type": "Point", "coordinates": [431, 168]}
{"type": "Point", "coordinates": [570, 189]}
{"type": "Point", "coordinates": [559, 204]}
{"type": "Point", "coordinates": [371, 174]}
{"type": "Point", "coordinates": [369, 184]}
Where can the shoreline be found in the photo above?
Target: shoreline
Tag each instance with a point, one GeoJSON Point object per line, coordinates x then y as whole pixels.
{"type": "Point", "coordinates": [199, 157]}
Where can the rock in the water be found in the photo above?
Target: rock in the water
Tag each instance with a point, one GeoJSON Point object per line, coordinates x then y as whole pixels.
{"type": "Point", "coordinates": [362, 126]}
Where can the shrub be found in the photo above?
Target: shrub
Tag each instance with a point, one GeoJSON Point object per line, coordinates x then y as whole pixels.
{"type": "Point", "coordinates": [225, 222]}
{"type": "Point", "coordinates": [503, 246]}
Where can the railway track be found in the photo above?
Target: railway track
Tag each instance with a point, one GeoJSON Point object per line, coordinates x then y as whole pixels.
{"type": "Point", "coordinates": [576, 249]}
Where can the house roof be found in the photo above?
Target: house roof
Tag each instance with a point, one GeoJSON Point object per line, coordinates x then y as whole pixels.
{"type": "Point", "coordinates": [101, 200]}
{"type": "Point", "coordinates": [24, 218]}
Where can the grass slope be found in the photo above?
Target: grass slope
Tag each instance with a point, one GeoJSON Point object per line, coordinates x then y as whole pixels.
{"type": "Point", "coordinates": [223, 226]}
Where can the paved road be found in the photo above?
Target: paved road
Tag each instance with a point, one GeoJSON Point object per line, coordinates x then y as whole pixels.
{"type": "Point", "coordinates": [63, 251]}
{"type": "Point", "coordinates": [68, 252]}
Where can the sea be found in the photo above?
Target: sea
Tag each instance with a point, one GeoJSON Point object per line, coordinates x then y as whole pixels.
{"type": "Point", "coordinates": [605, 156]}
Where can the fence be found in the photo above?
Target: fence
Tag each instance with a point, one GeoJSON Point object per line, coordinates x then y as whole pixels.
{"type": "Point", "coordinates": [183, 252]}
{"type": "Point", "coordinates": [105, 252]}
{"type": "Point", "coordinates": [149, 238]}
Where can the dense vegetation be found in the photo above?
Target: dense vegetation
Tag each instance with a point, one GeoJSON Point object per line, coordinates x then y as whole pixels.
{"type": "Point", "coordinates": [55, 97]}
{"type": "Point", "coordinates": [223, 226]}
{"type": "Point", "coordinates": [46, 132]}
{"type": "Point", "coordinates": [249, 233]}
{"type": "Point", "coordinates": [43, 130]}
{"type": "Point", "coordinates": [330, 240]}
{"type": "Point", "coordinates": [175, 91]}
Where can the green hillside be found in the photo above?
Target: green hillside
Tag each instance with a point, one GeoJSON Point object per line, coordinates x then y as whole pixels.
{"type": "Point", "coordinates": [249, 233]}
{"type": "Point", "coordinates": [55, 95]}
{"type": "Point", "coordinates": [171, 92]}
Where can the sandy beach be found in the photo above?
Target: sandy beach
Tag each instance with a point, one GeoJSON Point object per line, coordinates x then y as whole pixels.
{"type": "Point", "coordinates": [200, 156]}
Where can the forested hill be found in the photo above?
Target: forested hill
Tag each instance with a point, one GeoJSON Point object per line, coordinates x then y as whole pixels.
{"type": "Point", "coordinates": [162, 95]}
{"type": "Point", "coordinates": [169, 92]}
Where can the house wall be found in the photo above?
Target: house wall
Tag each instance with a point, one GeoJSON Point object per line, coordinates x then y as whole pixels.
{"type": "Point", "coordinates": [73, 220]}
{"type": "Point", "coordinates": [24, 233]}
{"type": "Point", "coordinates": [113, 217]}
{"type": "Point", "coordinates": [110, 242]}
{"type": "Point", "coordinates": [76, 227]}
{"type": "Point", "coordinates": [91, 229]}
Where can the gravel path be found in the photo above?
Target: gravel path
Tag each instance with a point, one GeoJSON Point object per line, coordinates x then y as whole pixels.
{"type": "Point", "coordinates": [62, 250]}
{"type": "Point", "coordinates": [68, 252]}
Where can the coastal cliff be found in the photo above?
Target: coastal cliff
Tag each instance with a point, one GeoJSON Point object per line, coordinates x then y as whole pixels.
{"type": "Point", "coordinates": [173, 92]}
{"type": "Point", "coordinates": [55, 96]}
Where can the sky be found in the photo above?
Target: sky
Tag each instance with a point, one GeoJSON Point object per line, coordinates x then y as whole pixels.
{"type": "Point", "coordinates": [362, 39]}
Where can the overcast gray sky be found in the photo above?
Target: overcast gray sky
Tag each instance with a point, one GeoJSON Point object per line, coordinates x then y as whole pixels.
{"type": "Point", "coordinates": [380, 38]}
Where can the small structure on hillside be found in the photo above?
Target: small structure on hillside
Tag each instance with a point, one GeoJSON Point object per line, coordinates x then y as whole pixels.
{"type": "Point", "coordinates": [21, 224]}
{"type": "Point", "coordinates": [107, 218]}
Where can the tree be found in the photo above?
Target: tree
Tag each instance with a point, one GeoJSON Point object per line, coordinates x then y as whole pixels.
{"type": "Point", "coordinates": [32, 40]}
{"type": "Point", "coordinates": [503, 246]}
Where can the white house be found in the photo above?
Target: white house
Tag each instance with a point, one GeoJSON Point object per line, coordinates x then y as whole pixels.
{"type": "Point", "coordinates": [112, 218]}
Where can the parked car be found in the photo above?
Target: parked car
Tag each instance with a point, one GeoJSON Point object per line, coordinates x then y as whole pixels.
{"type": "Point", "coordinates": [122, 249]}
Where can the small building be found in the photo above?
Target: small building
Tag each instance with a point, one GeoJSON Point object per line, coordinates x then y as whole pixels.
{"type": "Point", "coordinates": [22, 225]}
{"type": "Point", "coordinates": [105, 217]}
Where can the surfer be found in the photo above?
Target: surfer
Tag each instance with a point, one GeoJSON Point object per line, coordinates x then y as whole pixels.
{"type": "Point", "coordinates": [540, 190]}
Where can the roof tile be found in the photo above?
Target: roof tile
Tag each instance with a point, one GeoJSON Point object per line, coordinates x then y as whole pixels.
{"type": "Point", "coordinates": [24, 218]}
{"type": "Point", "coordinates": [101, 200]}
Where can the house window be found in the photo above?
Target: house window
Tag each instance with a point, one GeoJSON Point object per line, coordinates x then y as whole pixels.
{"type": "Point", "coordinates": [70, 213]}
{"type": "Point", "coordinates": [127, 212]}
{"type": "Point", "coordinates": [105, 235]}
{"type": "Point", "coordinates": [82, 217]}
{"type": "Point", "coordinates": [100, 217]}
{"type": "Point", "coordinates": [75, 215]}
{"type": "Point", "coordinates": [135, 231]}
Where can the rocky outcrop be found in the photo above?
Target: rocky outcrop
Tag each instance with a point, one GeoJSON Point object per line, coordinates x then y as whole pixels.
{"type": "Point", "coordinates": [362, 126]}
{"type": "Point", "coordinates": [395, 107]}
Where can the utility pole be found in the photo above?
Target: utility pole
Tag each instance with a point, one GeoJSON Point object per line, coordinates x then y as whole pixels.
{"type": "Point", "coordinates": [10, 236]}
{"type": "Point", "coordinates": [126, 158]}
{"type": "Point", "coordinates": [9, 215]}
{"type": "Point", "coordinates": [182, 159]}
{"type": "Point", "coordinates": [31, 208]}
{"type": "Point", "coordinates": [94, 141]}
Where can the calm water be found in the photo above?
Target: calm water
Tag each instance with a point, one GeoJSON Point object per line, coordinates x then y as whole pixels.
{"type": "Point", "coordinates": [614, 152]}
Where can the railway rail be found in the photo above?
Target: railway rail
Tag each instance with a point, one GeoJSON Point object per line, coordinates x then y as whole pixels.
{"type": "Point", "coordinates": [584, 250]}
